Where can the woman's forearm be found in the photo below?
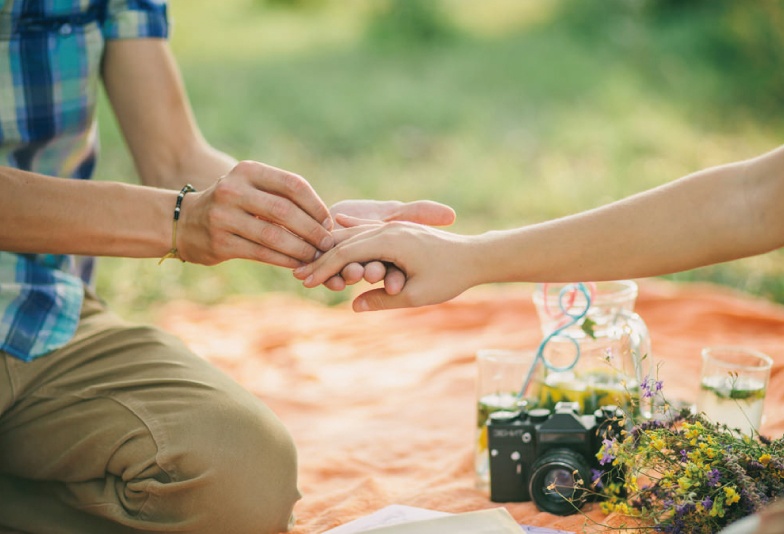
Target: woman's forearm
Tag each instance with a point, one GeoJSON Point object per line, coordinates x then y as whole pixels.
{"type": "Point", "coordinates": [712, 216]}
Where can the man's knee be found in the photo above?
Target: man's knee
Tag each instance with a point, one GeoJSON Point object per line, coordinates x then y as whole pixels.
{"type": "Point", "coordinates": [233, 469]}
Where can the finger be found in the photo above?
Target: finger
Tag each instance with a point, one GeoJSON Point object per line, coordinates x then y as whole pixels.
{"type": "Point", "coordinates": [298, 190]}
{"type": "Point", "coordinates": [378, 299]}
{"type": "Point", "coordinates": [245, 249]}
{"type": "Point", "coordinates": [352, 273]}
{"type": "Point", "coordinates": [375, 272]}
{"type": "Point", "coordinates": [343, 234]}
{"type": "Point", "coordinates": [279, 240]}
{"type": "Point", "coordinates": [335, 283]}
{"type": "Point", "coordinates": [359, 250]}
{"type": "Point", "coordinates": [286, 214]}
{"type": "Point", "coordinates": [424, 212]}
{"type": "Point", "coordinates": [394, 281]}
{"type": "Point", "coordinates": [349, 221]}
{"type": "Point", "coordinates": [287, 199]}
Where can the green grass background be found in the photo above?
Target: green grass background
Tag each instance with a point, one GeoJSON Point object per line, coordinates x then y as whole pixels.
{"type": "Point", "coordinates": [511, 111]}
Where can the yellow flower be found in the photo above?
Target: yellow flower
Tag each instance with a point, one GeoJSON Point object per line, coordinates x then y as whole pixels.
{"type": "Point", "coordinates": [765, 459]}
{"type": "Point", "coordinates": [684, 483]}
{"type": "Point", "coordinates": [716, 511]}
{"type": "Point", "coordinates": [692, 431]}
{"type": "Point", "coordinates": [732, 495]}
{"type": "Point", "coordinates": [658, 444]}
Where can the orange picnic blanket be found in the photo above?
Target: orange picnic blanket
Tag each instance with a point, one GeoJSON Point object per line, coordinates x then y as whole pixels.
{"type": "Point", "coordinates": [382, 405]}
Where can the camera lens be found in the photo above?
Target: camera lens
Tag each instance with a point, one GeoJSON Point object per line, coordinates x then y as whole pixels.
{"type": "Point", "coordinates": [557, 483]}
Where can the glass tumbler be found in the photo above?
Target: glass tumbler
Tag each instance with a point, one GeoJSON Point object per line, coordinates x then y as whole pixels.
{"type": "Point", "coordinates": [500, 375]}
{"type": "Point", "coordinates": [733, 385]}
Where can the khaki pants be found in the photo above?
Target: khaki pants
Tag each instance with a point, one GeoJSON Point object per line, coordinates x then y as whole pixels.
{"type": "Point", "coordinates": [125, 430]}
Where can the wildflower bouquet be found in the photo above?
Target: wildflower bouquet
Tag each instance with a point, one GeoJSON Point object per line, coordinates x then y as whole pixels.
{"type": "Point", "coordinates": [686, 474]}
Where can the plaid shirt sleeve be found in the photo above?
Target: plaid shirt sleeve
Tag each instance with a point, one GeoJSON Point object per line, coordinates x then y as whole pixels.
{"type": "Point", "coordinates": [50, 56]}
{"type": "Point", "coordinates": [129, 19]}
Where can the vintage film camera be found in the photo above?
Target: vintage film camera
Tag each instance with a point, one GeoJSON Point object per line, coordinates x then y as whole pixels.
{"type": "Point", "coordinates": [540, 455]}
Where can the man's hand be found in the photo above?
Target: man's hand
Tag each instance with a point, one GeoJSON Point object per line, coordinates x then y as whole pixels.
{"type": "Point", "coordinates": [255, 212]}
{"type": "Point", "coordinates": [350, 213]}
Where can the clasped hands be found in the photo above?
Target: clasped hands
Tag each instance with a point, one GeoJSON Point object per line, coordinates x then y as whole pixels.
{"type": "Point", "coordinates": [266, 214]}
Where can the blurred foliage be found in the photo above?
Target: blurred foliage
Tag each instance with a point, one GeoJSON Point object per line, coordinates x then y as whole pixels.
{"type": "Point", "coordinates": [526, 111]}
{"type": "Point", "coordinates": [409, 24]}
{"type": "Point", "coordinates": [736, 49]}
{"type": "Point", "coordinates": [291, 4]}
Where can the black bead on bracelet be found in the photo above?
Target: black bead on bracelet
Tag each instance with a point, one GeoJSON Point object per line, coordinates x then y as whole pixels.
{"type": "Point", "coordinates": [188, 188]}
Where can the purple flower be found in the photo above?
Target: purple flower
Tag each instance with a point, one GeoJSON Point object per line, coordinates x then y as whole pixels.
{"type": "Point", "coordinates": [754, 465]}
{"type": "Point", "coordinates": [713, 477]}
{"type": "Point", "coordinates": [596, 477]}
{"type": "Point", "coordinates": [650, 386]}
{"type": "Point", "coordinates": [707, 503]}
{"type": "Point", "coordinates": [646, 387]}
{"type": "Point", "coordinates": [683, 509]}
{"type": "Point", "coordinates": [684, 455]}
{"type": "Point", "coordinates": [637, 430]}
{"type": "Point", "coordinates": [607, 456]}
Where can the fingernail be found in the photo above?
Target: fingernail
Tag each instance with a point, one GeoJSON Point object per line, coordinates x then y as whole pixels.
{"type": "Point", "coordinates": [361, 306]}
{"type": "Point", "coordinates": [327, 223]}
{"type": "Point", "coordinates": [299, 270]}
{"type": "Point", "coordinates": [317, 255]}
{"type": "Point", "coordinates": [308, 280]}
{"type": "Point", "coordinates": [327, 243]}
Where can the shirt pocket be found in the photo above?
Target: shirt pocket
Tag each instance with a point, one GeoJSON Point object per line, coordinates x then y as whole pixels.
{"type": "Point", "coordinates": [53, 64]}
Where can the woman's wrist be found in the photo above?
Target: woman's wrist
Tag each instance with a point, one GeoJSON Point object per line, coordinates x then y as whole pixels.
{"type": "Point", "coordinates": [487, 258]}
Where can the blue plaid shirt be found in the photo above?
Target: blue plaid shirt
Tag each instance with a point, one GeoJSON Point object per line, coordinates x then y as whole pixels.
{"type": "Point", "coordinates": [50, 56]}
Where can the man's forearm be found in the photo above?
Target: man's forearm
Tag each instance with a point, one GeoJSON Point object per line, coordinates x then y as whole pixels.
{"type": "Point", "coordinates": [41, 214]}
{"type": "Point", "coordinates": [201, 166]}
{"type": "Point", "coordinates": [147, 95]}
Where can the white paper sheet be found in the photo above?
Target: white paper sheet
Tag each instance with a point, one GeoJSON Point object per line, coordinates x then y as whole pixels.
{"type": "Point", "coordinates": [399, 519]}
{"type": "Point", "coordinates": [391, 515]}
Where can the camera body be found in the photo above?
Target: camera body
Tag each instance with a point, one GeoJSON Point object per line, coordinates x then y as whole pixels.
{"type": "Point", "coordinates": [541, 455]}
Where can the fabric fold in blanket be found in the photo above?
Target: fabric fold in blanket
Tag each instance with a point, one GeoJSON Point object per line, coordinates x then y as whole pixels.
{"type": "Point", "coordinates": [382, 405]}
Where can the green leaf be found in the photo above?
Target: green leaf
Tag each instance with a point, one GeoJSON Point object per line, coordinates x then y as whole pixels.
{"type": "Point", "coordinates": [588, 326]}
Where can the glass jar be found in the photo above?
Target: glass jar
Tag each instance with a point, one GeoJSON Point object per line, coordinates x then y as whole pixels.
{"type": "Point", "coordinates": [609, 344]}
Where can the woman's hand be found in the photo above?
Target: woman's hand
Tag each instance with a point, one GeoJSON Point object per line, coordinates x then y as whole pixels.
{"type": "Point", "coordinates": [438, 265]}
{"type": "Point", "coordinates": [350, 213]}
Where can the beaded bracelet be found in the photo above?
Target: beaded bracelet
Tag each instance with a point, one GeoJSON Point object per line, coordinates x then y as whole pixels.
{"type": "Point", "coordinates": [188, 188]}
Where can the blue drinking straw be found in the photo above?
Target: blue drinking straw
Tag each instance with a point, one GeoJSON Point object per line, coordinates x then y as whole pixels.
{"type": "Point", "coordinates": [557, 333]}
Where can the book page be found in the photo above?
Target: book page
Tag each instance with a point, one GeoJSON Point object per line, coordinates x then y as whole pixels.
{"type": "Point", "coordinates": [495, 521]}
{"type": "Point", "coordinates": [400, 519]}
{"type": "Point", "coordinates": [390, 515]}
